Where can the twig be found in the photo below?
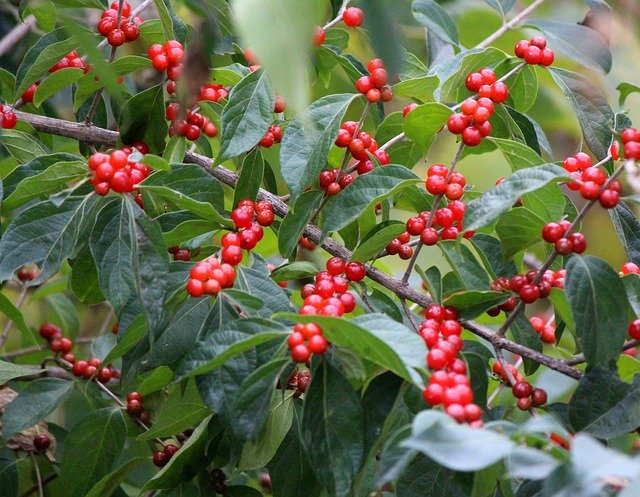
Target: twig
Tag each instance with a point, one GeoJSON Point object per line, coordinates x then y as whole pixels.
{"type": "Point", "coordinates": [9, 324]}
{"type": "Point", "coordinates": [96, 98]}
{"type": "Point", "coordinates": [509, 25]}
{"type": "Point", "coordinates": [338, 18]}
{"type": "Point", "coordinates": [409, 314]}
{"type": "Point", "coordinates": [105, 137]}
{"type": "Point", "coordinates": [34, 488]}
{"type": "Point", "coordinates": [37, 348]}
{"type": "Point", "coordinates": [38, 477]}
{"type": "Point", "coordinates": [16, 34]}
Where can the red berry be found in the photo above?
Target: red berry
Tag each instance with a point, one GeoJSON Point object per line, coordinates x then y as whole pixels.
{"type": "Point", "coordinates": [354, 271]}
{"type": "Point", "coordinates": [552, 232]}
{"type": "Point", "coordinates": [408, 109]}
{"type": "Point", "coordinates": [116, 37]}
{"type": "Point", "coordinates": [547, 57]}
{"type": "Point", "coordinates": [634, 329]}
{"type": "Point", "coordinates": [609, 198]}
{"type": "Point", "coordinates": [160, 459]}
{"type": "Point", "coordinates": [529, 293]}
{"type": "Point", "coordinates": [474, 81]}
{"type": "Point", "coordinates": [335, 266]}
{"type": "Point", "coordinates": [457, 123]}
{"type": "Point", "coordinates": [471, 136]}
{"type": "Point", "coordinates": [538, 397]}
{"type": "Point", "coordinates": [437, 359]}
{"type": "Point", "coordinates": [499, 92]}
{"type": "Point", "coordinates": [41, 442]}
{"type": "Point", "coordinates": [532, 55]}
{"type": "Point", "coordinates": [563, 246]}
{"type": "Point", "coordinates": [353, 17]}
{"type": "Point", "coordinates": [578, 242]}
{"type": "Point", "coordinates": [300, 353]}
{"type": "Point", "coordinates": [170, 449]}
{"type": "Point", "coordinates": [79, 367]}
{"type": "Point", "coordinates": [319, 36]}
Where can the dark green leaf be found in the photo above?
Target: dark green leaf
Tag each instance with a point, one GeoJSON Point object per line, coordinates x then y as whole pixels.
{"type": "Point", "coordinates": [308, 139]}
{"type": "Point", "coordinates": [465, 265]}
{"type": "Point", "coordinates": [377, 239]}
{"type": "Point", "coordinates": [593, 111]}
{"type": "Point", "coordinates": [382, 23]}
{"type": "Point", "coordinates": [296, 220]}
{"type": "Point", "coordinates": [255, 281]}
{"type": "Point", "coordinates": [247, 116]}
{"type": "Point", "coordinates": [45, 234]}
{"type": "Point", "coordinates": [517, 154]}
{"type": "Point", "coordinates": [84, 278]}
{"type": "Point", "coordinates": [628, 230]}
{"type": "Point", "coordinates": [333, 429]}
{"type": "Point", "coordinates": [142, 117]}
{"type": "Point", "coordinates": [435, 19]}
{"type": "Point", "coordinates": [13, 313]}
{"type": "Point", "coordinates": [250, 177]}
{"type": "Point", "coordinates": [433, 279]}
{"type": "Point", "coordinates": [487, 208]}
{"type": "Point", "coordinates": [455, 446]}
{"type": "Point", "coordinates": [294, 271]}
{"type": "Point", "coordinates": [33, 404]}
{"type": "Point", "coordinates": [172, 25]}
{"type": "Point", "coordinates": [524, 334]}
{"type": "Point", "coordinates": [502, 6]}
{"type": "Point", "coordinates": [423, 123]}
{"type": "Point", "coordinates": [55, 82]}
{"type": "Point", "coordinates": [490, 252]}
{"type": "Point", "coordinates": [9, 479]}
{"type": "Point", "coordinates": [366, 190]}
{"type": "Point", "coordinates": [592, 50]}
{"type": "Point", "coordinates": [23, 146]}
{"type": "Point", "coordinates": [425, 477]}
{"type": "Point", "coordinates": [99, 437]}
{"type": "Point", "coordinates": [600, 309]}
{"type": "Point", "coordinates": [518, 229]}
{"type": "Point", "coordinates": [474, 303]}
{"type": "Point", "coordinates": [156, 162]}
{"type": "Point", "coordinates": [108, 484]}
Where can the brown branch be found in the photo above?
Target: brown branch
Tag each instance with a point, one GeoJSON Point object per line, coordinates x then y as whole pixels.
{"type": "Point", "coordinates": [101, 136]}
{"type": "Point", "coordinates": [54, 372]}
{"type": "Point", "coordinates": [16, 34]}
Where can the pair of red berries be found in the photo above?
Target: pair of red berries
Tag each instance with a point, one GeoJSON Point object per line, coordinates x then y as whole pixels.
{"type": "Point", "coordinates": [547, 332]}
{"type": "Point", "coordinates": [334, 181]}
{"type": "Point", "coordinates": [374, 86]}
{"type": "Point", "coordinates": [191, 126]}
{"type": "Point", "coordinates": [535, 51]}
{"type": "Point", "coordinates": [209, 92]}
{"type": "Point", "coordinates": [440, 182]}
{"type": "Point", "coordinates": [115, 172]}
{"type": "Point", "coordinates": [210, 277]}
{"type": "Point", "coordinates": [556, 233]}
{"type": "Point", "coordinates": [631, 140]}
{"type": "Point", "coordinates": [72, 59]}
{"type": "Point", "coordinates": [8, 119]}
{"type": "Point", "coordinates": [119, 32]}
{"type": "Point", "coordinates": [273, 135]}
{"type": "Point", "coordinates": [162, 457]}
{"type": "Point", "coordinates": [135, 407]}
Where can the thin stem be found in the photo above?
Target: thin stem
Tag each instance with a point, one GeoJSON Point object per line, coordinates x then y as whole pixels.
{"type": "Point", "coordinates": [102, 136]}
{"type": "Point", "coordinates": [16, 34]}
{"type": "Point", "coordinates": [34, 488]}
{"type": "Point", "coordinates": [37, 348]}
{"type": "Point", "coordinates": [409, 314]}
{"type": "Point", "coordinates": [509, 25]}
{"type": "Point", "coordinates": [338, 18]}
{"type": "Point", "coordinates": [9, 324]}
{"type": "Point", "coordinates": [38, 477]}
{"type": "Point", "coordinates": [96, 98]}
{"type": "Point", "coordinates": [398, 138]}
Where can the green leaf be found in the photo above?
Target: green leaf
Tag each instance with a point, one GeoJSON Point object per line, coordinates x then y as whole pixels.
{"type": "Point", "coordinates": [131, 259]}
{"type": "Point", "coordinates": [485, 209]}
{"type": "Point", "coordinates": [294, 271]}
{"type": "Point", "coordinates": [23, 146]}
{"type": "Point", "coordinates": [377, 239]}
{"type": "Point", "coordinates": [524, 334]}
{"type": "Point", "coordinates": [232, 339]}
{"type": "Point", "coordinates": [433, 279]}
{"type": "Point", "coordinates": [423, 476]}
{"type": "Point", "coordinates": [523, 86]}
{"type": "Point", "coordinates": [308, 139]}
{"type": "Point", "coordinates": [255, 281]}
{"type": "Point", "coordinates": [502, 6]}
{"type": "Point", "coordinates": [45, 234]}
{"type": "Point", "coordinates": [175, 149]}
{"type": "Point", "coordinates": [490, 251]}
{"type": "Point", "coordinates": [381, 21]}
{"type": "Point", "coordinates": [594, 113]}
{"type": "Point", "coordinates": [205, 210]}
{"type": "Point", "coordinates": [423, 123]}
{"type": "Point", "coordinates": [518, 229]}
{"type": "Point", "coordinates": [374, 337]}
{"type": "Point", "coordinates": [627, 228]}
{"type": "Point", "coordinates": [288, 73]}
{"type": "Point", "coordinates": [185, 463]}
{"type": "Point", "coordinates": [465, 265]}
{"type": "Point", "coordinates": [99, 437]}
{"type": "Point", "coordinates": [600, 308]}
{"type": "Point", "coordinates": [247, 116]}
{"type": "Point", "coordinates": [84, 278]}
{"type": "Point", "coordinates": [474, 303]}
{"type": "Point", "coordinates": [562, 309]}
{"type": "Point", "coordinates": [625, 90]}
{"type": "Point", "coordinates": [531, 464]}
{"type": "Point", "coordinates": [13, 313]}
{"type": "Point", "coordinates": [435, 19]}
{"type": "Point", "coordinates": [592, 50]}
{"type": "Point", "coordinates": [296, 220]}
{"type": "Point", "coordinates": [605, 406]}
{"type": "Point", "coordinates": [250, 177]}
{"type": "Point", "coordinates": [109, 483]}
{"type": "Point", "coordinates": [156, 162]}
{"type": "Point", "coordinates": [48, 50]}
{"type": "Point", "coordinates": [172, 25]}
{"type": "Point", "coordinates": [50, 181]}
{"type": "Point", "coordinates": [456, 446]}
{"type": "Point", "coordinates": [365, 191]}
{"type": "Point", "coordinates": [56, 82]}
{"type": "Point", "coordinates": [517, 154]}
{"type": "Point", "coordinates": [134, 333]}
{"type": "Point", "coordinates": [332, 429]}
{"type": "Point", "coordinates": [9, 479]}
{"type": "Point", "coordinates": [9, 371]}
{"type": "Point", "coordinates": [183, 409]}
{"type": "Point", "coordinates": [33, 404]}
{"type": "Point", "coordinates": [142, 117]}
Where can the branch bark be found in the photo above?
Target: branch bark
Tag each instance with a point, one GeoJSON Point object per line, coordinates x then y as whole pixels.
{"type": "Point", "coordinates": [96, 135]}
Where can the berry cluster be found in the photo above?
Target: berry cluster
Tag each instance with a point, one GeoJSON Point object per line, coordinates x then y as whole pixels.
{"type": "Point", "coordinates": [210, 277]}
{"type": "Point", "coordinates": [441, 182]}
{"type": "Point", "coordinates": [590, 181]}
{"type": "Point", "coordinates": [115, 172]}
{"type": "Point", "coordinates": [374, 86]}
{"type": "Point", "coordinates": [534, 51]}
{"type": "Point", "coordinates": [191, 126]}
{"type": "Point", "coordinates": [209, 92]}
{"type": "Point", "coordinates": [59, 344]}
{"type": "Point", "coordinates": [546, 331]}
{"type": "Point", "coordinates": [162, 457]}
{"type": "Point", "coordinates": [631, 140]}
{"type": "Point", "coordinates": [359, 143]}
{"type": "Point", "coordinates": [167, 57]}
{"type": "Point", "coordinates": [328, 297]}
{"type": "Point", "coordinates": [353, 17]}
{"type": "Point", "coordinates": [334, 181]}
{"type": "Point", "coordinates": [449, 384]}
{"type": "Point", "coordinates": [273, 135]}
{"type": "Point", "coordinates": [629, 268]}
{"type": "Point", "coordinates": [8, 119]}
{"type": "Point", "coordinates": [523, 285]}
{"type": "Point", "coordinates": [528, 396]}
{"type": "Point", "coordinates": [135, 407]}
{"type": "Point", "coordinates": [556, 233]}
{"type": "Point", "coordinates": [120, 31]}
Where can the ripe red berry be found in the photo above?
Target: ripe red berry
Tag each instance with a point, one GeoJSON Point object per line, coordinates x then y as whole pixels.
{"type": "Point", "coordinates": [529, 293]}
{"type": "Point", "coordinates": [634, 329]}
{"type": "Point", "coordinates": [538, 397]}
{"type": "Point", "coordinates": [474, 81]}
{"type": "Point", "coordinates": [521, 48]}
{"type": "Point", "coordinates": [116, 37]}
{"type": "Point", "coordinates": [499, 92]}
{"type": "Point", "coordinates": [457, 123]}
{"type": "Point", "coordinates": [300, 353]}
{"type": "Point", "coordinates": [41, 442]}
{"type": "Point", "coordinates": [353, 17]}
{"type": "Point", "coordinates": [471, 136]}
{"type": "Point", "coordinates": [552, 232]}
{"type": "Point", "coordinates": [408, 109]}
{"type": "Point", "coordinates": [437, 359]}
{"type": "Point", "coordinates": [354, 271]}
{"type": "Point", "coordinates": [319, 36]}
{"type": "Point", "coordinates": [160, 459]}
{"type": "Point", "coordinates": [578, 242]}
